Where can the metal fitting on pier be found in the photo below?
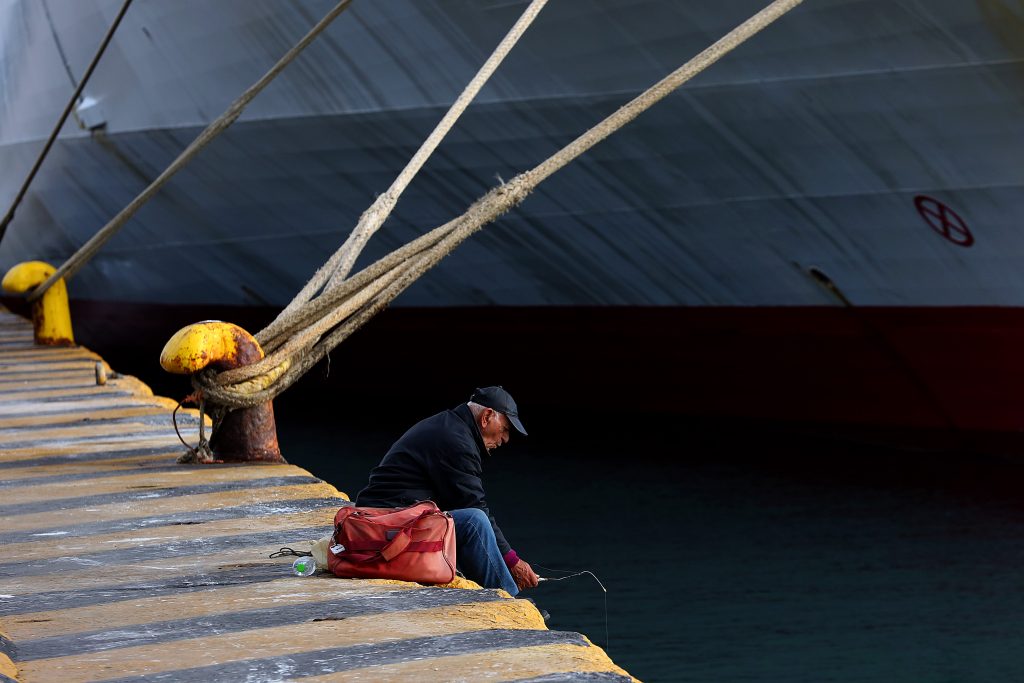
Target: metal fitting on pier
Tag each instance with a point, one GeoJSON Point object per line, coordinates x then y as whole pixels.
{"type": "Point", "coordinates": [51, 317]}
{"type": "Point", "coordinates": [244, 435]}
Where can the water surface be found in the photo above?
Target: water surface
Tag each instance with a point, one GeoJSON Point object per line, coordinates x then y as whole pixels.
{"type": "Point", "coordinates": [734, 555]}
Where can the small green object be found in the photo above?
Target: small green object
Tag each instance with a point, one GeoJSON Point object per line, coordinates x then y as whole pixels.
{"type": "Point", "coordinates": [301, 566]}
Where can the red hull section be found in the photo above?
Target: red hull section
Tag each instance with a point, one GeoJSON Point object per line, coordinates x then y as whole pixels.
{"type": "Point", "coordinates": [954, 374]}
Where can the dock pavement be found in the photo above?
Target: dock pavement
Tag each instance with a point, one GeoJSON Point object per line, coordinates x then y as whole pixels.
{"type": "Point", "coordinates": [119, 564]}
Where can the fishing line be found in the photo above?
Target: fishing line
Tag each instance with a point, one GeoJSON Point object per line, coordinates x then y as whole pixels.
{"type": "Point", "coordinates": [575, 574]}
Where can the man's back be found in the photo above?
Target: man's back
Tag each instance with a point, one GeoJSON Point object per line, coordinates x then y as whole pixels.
{"type": "Point", "coordinates": [437, 459]}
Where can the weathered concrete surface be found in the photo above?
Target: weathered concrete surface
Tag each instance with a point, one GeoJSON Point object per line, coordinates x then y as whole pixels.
{"type": "Point", "coordinates": [118, 564]}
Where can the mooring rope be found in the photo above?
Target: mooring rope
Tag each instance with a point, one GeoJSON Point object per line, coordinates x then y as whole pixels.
{"type": "Point", "coordinates": [340, 263]}
{"type": "Point", "coordinates": [389, 276]}
{"type": "Point", "coordinates": [219, 125]}
{"type": "Point", "coordinates": [63, 118]}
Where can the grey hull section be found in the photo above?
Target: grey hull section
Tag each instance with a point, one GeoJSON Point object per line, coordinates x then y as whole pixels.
{"type": "Point", "coordinates": [876, 141]}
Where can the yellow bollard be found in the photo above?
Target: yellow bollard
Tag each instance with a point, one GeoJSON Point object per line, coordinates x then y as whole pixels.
{"type": "Point", "coordinates": [51, 317]}
{"type": "Point", "coordinates": [244, 435]}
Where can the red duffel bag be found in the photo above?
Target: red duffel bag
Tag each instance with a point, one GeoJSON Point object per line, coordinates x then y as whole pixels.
{"type": "Point", "coordinates": [415, 543]}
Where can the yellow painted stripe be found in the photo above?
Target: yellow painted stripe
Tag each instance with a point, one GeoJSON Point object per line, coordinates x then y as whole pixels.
{"type": "Point", "coordinates": [237, 646]}
{"type": "Point", "coordinates": [7, 667]}
{"type": "Point", "coordinates": [162, 506]}
{"type": "Point", "coordinates": [123, 383]}
{"type": "Point", "coordinates": [83, 405]}
{"type": "Point", "coordinates": [44, 354]}
{"type": "Point", "coordinates": [186, 476]}
{"type": "Point", "coordinates": [48, 431]}
{"type": "Point", "coordinates": [76, 380]}
{"type": "Point", "coordinates": [19, 367]}
{"type": "Point", "coordinates": [36, 355]}
{"type": "Point", "coordinates": [289, 590]}
{"type": "Point", "coordinates": [41, 361]}
{"type": "Point", "coordinates": [15, 359]}
{"type": "Point", "coordinates": [65, 433]}
{"type": "Point", "coordinates": [62, 546]}
{"type": "Point", "coordinates": [110, 445]}
{"type": "Point", "coordinates": [62, 418]}
{"type": "Point", "coordinates": [58, 410]}
{"type": "Point", "coordinates": [162, 452]}
{"type": "Point", "coordinates": [99, 576]}
{"type": "Point", "coordinates": [494, 665]}
{"type": "Point", "coordinates": [57, 393]}
{"type": "Point", "coordinates": [139, 464]}
{"type": "Point", "coordinates": [43, 378]}
{"type": "Point", "coordinates": [43, 381]}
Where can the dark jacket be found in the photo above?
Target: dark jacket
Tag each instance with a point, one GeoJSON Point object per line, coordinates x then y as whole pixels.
{"type": "Point", "coordinates": [439, 459]}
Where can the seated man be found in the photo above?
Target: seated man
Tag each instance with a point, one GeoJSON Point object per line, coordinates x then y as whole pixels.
{"type": "Point", "coordinates": [441, 459]}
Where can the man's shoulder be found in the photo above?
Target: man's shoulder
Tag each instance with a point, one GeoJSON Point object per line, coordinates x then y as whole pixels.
{"type": "Point", "coordinates": [448, 426]}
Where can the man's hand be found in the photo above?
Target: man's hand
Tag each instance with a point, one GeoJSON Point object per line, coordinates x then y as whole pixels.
{"type": "Point", "coordinates": [524, 575]}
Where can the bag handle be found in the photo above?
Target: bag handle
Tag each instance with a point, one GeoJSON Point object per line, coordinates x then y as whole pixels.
{"type": "Point", "coordinates": [397, 545]}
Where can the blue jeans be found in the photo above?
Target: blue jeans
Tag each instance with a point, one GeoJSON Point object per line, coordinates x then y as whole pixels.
{"type": "Point", "coordinates": [477, 551]}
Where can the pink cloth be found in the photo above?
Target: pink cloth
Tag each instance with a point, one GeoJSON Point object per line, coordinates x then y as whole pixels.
{"type": "Point", "coordinates": [511, 559]}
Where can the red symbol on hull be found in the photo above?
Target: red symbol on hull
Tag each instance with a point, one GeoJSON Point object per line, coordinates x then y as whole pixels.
{"type": "Point", "coordinates": [944, 220]}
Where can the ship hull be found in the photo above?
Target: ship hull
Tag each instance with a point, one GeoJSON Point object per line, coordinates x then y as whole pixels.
{"type": "Point", "coordinates": [822, 229]}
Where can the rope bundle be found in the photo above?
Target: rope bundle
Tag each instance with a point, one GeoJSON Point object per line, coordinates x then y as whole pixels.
{"type": "Point", "coordinates": [332, 305]}
{"type": "Point", "coordinates": [311, 326]}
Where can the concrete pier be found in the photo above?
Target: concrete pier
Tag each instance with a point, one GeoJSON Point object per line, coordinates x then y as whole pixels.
{"type": "Point", "coordinates": [118, 564]}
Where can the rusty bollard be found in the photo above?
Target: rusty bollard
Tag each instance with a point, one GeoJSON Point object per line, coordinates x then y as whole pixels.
{"type": "Point", "coordinates": [246, 434]}
{"type": "Point", "coordinates": [51, 317]}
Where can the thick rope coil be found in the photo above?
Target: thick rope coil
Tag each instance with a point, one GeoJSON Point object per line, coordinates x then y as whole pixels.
{"type": "Point", "coordinates": [237, 395]}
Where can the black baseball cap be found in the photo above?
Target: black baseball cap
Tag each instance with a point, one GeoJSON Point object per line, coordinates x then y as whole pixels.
{"type": "Point", "coordinates": [496, 398]}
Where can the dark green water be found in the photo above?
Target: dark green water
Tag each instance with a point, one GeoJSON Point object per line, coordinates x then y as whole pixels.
{"type": "Point", "coordinates": [743, 557]}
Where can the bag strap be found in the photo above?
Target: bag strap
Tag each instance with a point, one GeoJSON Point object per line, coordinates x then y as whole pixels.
{"type": "Point", "coordinates": [396, 545]}
{"type": "Point", "coordinates": [403, 538]}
